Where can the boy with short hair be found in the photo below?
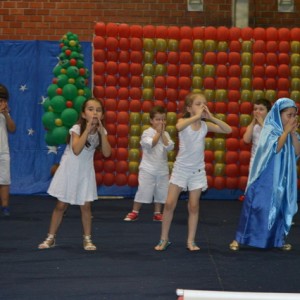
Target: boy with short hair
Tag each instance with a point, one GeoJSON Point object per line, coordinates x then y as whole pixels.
{"type": "Point", "coordinates": [153, 169]}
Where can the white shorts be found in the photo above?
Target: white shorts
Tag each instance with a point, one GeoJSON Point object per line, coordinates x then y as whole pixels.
{"type": "Point", "coordinates": [4, 169]}
{"type": "Point", "coordinates": [152, 188]}
{"type": "Point", "coordinates": [189, 179]}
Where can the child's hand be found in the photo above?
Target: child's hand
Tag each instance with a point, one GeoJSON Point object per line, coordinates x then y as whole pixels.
{"type": "Point", "coordinates": [206, 113]}
{"type": "Point", "coordinates": [160, 128]}
{"type": "Point", "coordinates": [100, 127]}
{"type": "Point", "coordinates": [259, 120]}
{"type": "Point", "coordinates": [291, 125]}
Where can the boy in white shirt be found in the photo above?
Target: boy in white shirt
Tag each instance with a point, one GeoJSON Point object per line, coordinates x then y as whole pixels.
{"type": "Point", "coordinates": [153, 169]}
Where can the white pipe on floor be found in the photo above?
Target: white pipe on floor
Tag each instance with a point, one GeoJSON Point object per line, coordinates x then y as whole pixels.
{"type": "Point", "coordinates": [217, 295]}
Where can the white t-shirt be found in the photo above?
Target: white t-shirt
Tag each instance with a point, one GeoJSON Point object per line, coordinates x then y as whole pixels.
{"type": "Point", "coordinates": [155, 159]}
{"type": "Point", "coordinates": [4, 148]}
{"type": "Point", "coordinates": [191, 148]}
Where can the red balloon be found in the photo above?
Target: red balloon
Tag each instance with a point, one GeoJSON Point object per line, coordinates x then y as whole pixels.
{"type": "Point", "coordinates": [160, 82]}
{"type": "Point", "coordinates": [108, 179]}
{"type": "Point", "coordinates": [159, 94]}
{"type": "Point", "coordinates": [121, 166]}
{"type": "Point", "coordinates": [221, 83]}
{"type": "Point", "coordinates": [235, 132]}
{"type": "Point", "coordinates": [124, 44]}
{"type": "Point", "coordinates": [283, 58]}
{"type": "Point", "coordinates": [271, 34]}
{"type": "Point", "coordinates": [135, 105]}
{"type": "Point", "coordinates": [98, 91]}
{"type": "Point", "coordinates": [185, 58]}
{"type": "Point", "coordinates": [234, 95]}
{"type": "Point", "coordinates": [149, 31]}
{"type": "Point", "coordinates": [99, 179]}
{"type": "Point", "coordinates": [234, 33]}
{"type": "Point", "coordinates": [259, 33]}
{"type": "Point", "coordinates": [171, 106]}
{"type": "Point", "coordinates": [235, 46]}
{"type": "Point", "coordinates": [133, 180]}
{"type": "Point", "coordinates": [209, 83]}
{"type": "Point", "coordinates": [232, 144]}
{"type": "Point", "coordinates": [246, 108]}
{"type": "Point", "coordinates": [186, 32]}
{"type": "Point", "coordinates": [244, 146]}
{"type": "Point", "coordinates": [232, 170]}
{"type": "Point", "coordinates": [185, 70]}
{"type": "Point", "coordinates": [271, 71]}
{"type": "Point", "coordinates": [210, 33]}
{"type": "Point", "coordinates": [99, 42]}
{"type": "Point", "coordinates": [172, 70]}
{"type": "Point", "coordinates": [244, 170]}
{"type": "Point", "coordinates": [198, 32]}
{"type": "Point", "coordinates": [234, 83]}
{"type": "Point", "coordinates": [247, 33]}
{"type": "Point", "coordinates": [222, 33]}
{"type": "Point", "coordinates": [271, 59]}
{"type": "Point", "coordinates": [221, 70]}
{"type": "Point", "coordinates": [172, 82]}
{"type": "Point", "coordinates": [136, 69]}
{"type": "Point", "coordinates": [109, 166]}
{"type": "Point", "coordinates": [100, 28]}
{"type": "Point", "coordinates": [112, 140]}
{"type": "Point", "coordinates": [123, 105]}
{"type": "Point", "coordinates": [123, 117]}
{"type": "Point", "coordinates": [259, 59]}
{"type": "Point", "coordinates": [210, 184]}
{"type": "Point", "coordinates": [122, 142]}
{"type": "Point", "coordinates": [258, 83]}
{"type": "Point", "coordinates": [136, 81]}
{"type": "Point", "coordinates": [98, 165]}
{"type": "Point", "coordinates": [147, 106]}
{"type": "Point", "coordinates": [111, 128]}
{"type": "Point", "coordinates": [271, 84]}
{"type": "Point", "coordinates": [231, 157]}
{"type": "Point", "coordinates": [234, 71]}
{"type": "Point", "coordinates": [162, 31]}
{"type": "Point", "coordinates": [234, 58]}
{"type": "Point", "coordinates": [122, 154]}
{"type": "Point", "coordinates": [243, 182]}
{"type": "Point", "coordinates": [209, 156]}
{"type": "Point", "coordinates": [209, 169]}
{"type": "Point", "coordinates": [135, 93]}
{"type": "Point", "coordinates": [259, 46]}
{"type": "Point", "coordinates": [232, 119]}
{"type": "Point", "coordinates": [136, 31]}
{"type": "Point", "coordinates": [271, 46]}
{"type": "Point", "coordinates": [283, 84]}
{"type": "Point", "coordinates": [284, 47]}
{"type": "Point", "coordinates": [111, 92]}
{"type": "Point", "coordinates": [219, 182]}
{"type": "Point", "coordinates": [172, 94]}
{"type": "Point", "coordinates": [284, 34]}
{"type": "Point", "coordinates": [121, 179]}
{"type": "Point", "coordinates": [233, 108]}
{"type": "Point", "coordinates": [124, 81]}
{"type": "Point", "coordinates": [210, 58]}
{"type": "Point", "coordinates": [174, 32]}
{"type": "Point", "coordinates": [112, 44]}
{"type": "Point", "coordinates": [244, 157]}
{"type": "Point", "coordinates": [221, 107]}
{"type": "Point", "coordinates": [185, 45]}
{"type": "Point", "coordinates": [124, 30]}
{"type": "Point", "coordinates": [110, 117]}
{"type": "Point", "coordinates": [232, 182]}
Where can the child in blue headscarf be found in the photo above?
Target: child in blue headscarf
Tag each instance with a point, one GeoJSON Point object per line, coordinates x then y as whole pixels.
{"type": "Point", "coordinates": [271, 193]}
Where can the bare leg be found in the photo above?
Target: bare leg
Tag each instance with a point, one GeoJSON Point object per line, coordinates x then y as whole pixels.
{"type": "Point", "coordinates": [170, 205]}
{"type": "Point", "coordinates": [136, 206]}
{"type": "Point", "coordinates": [4, 195]}
{"type": "Point", "coordinates": [56, 219]}
{"type": "Point", "coordinates": [57, 216]}
{"type": "Point", "coordinates": [86, 218]}
{"type": "Point", "coordinates": [157, 207]}
{"type": "Point", "coordinates": [193, 209]}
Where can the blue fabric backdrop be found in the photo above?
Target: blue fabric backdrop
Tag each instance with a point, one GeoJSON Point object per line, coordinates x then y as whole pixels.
{"type": "Point", "coordinates": [26, 69]}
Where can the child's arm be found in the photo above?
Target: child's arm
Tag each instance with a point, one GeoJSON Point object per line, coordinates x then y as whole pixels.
{"type": "Point", "coordinates": [296, 143]}
{"type": "Point", "coordinates": [290, 127]}
{"type": "Point", "coordinates": [10, 124]}
{"type": "Point", "coordinates": [78, 141]}
{"type": "Point", "coordinates": [218, 125]}
{"type": "Point", "coordinates": [247, 137]}
{"type": "Point", "coordinates": [105, 145]}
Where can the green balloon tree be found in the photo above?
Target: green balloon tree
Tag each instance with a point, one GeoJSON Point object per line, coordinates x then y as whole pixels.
{"type": "Point", "coordinates": [68, 91]}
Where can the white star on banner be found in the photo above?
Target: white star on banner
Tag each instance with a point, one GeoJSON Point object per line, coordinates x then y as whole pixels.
{"type": "Point", "coordinates": [52, 149]}
{"type": "Point", "coordinates": [43, 100]}
{"type": "Point", "coordinates": [30, 131]}
{"type": "Point", "coordinates": [23, 88]}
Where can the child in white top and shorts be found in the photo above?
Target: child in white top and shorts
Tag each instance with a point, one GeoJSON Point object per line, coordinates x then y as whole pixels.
{"type": "Point", "coordinates": [153, 169]}
{"type": "Point", "coordinates": [189, 168]}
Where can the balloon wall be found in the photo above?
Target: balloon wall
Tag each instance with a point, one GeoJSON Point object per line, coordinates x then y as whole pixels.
{"type": "Point", "coordinates": [136, 67]}
{"type": "Point", "coordinates": [69, 89]}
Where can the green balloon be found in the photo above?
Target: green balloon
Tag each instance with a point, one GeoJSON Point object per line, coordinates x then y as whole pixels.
{"type": "Point", "coordinates": [80, 82]}
{"type": "Point", "coordinates": [46, 104]}
{"type": "Point", "coordinates": [72, 72]}
{"type": "Point", "coordinates": [78, 101]}
{"type": "Point", "coordinates": [69, 91]}
{"type": "Point", "coordinates": [58, 103]}
{"type": "Point", "coordinates": [49, 139]}
{"type": "Point", "coordinates": [65, 63]}
{"type": "Point", "coordinates": [57, 70]}
{"type": "Point", "coordinates": [62, 80]}
{"type": "Point", "coordinates": [60, 134]}
{"type": "Point", "coordinates": [48, 120]}
{"type": "Point", "coordinates": [62, 56]}
{"type": "Point", "coordinates": [74, 54]}
{"type": "Point", "coordinates": [69, 117]}
{"type": "Point", "coordinates": [87, 92]}
{"type": "Point", "coordinates": [51, 91]}
{"type": "Point", "coordinates": [80, 63]}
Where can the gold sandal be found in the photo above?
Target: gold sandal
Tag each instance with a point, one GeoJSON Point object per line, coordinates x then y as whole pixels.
{"type": "Point", "coordinates": [286, 247]}
{"type": "Point", "coordinates": [49, 242]}
{"type": "Point", "coordinates": [162, 245]}
{"type": "Point", "coordinates": [234, 246]}
{"type": "Point", "coordinates": [192, 246]}
{"type": "Point", "coordinates": [88, 244]}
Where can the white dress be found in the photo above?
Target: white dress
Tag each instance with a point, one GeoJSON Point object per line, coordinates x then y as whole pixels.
{"type": "Point", "coordinates": [74, 181]}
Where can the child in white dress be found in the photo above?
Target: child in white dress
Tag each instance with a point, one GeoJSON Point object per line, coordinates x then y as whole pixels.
{"type": "Point", "coordinates": [74, 181]}
{"type": "Point", "coordinates": [6, 125]}
{"type": "Point", "coordinates": [153, 169]}
{"type": "Point", "coordinates": [189, 167]}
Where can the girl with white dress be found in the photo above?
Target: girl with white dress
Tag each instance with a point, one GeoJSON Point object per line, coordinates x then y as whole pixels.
{"type": "Point", "coordinates": [74, 182]}
{"type": "Point", "coordinates": [189, 167]}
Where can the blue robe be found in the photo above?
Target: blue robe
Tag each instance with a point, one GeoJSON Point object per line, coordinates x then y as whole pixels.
{"type": "Point", "coordinates": [271, 194]}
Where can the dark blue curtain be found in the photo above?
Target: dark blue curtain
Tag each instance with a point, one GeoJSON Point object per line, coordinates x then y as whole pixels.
{"type": "Point", "coordinates": [26, 70]}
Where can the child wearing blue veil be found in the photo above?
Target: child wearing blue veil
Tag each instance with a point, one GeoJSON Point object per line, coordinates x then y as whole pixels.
{"type": "Point", "coordinates": [271, 193]}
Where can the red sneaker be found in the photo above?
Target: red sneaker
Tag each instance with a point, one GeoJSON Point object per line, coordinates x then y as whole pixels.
{"type": "Point", "coordinates": [157, 217]}
{"type": "Point", "coordinates": [132, 216]}
{"type": "Point", "coordinates": [241, 198]}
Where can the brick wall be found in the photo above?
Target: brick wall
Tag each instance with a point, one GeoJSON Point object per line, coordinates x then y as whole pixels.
{"type": "Point", "coordinates": [49, 20]}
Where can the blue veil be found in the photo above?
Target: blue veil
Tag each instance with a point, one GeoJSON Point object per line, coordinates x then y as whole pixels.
{"type": "Point", "coordinates": [284, 192]}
